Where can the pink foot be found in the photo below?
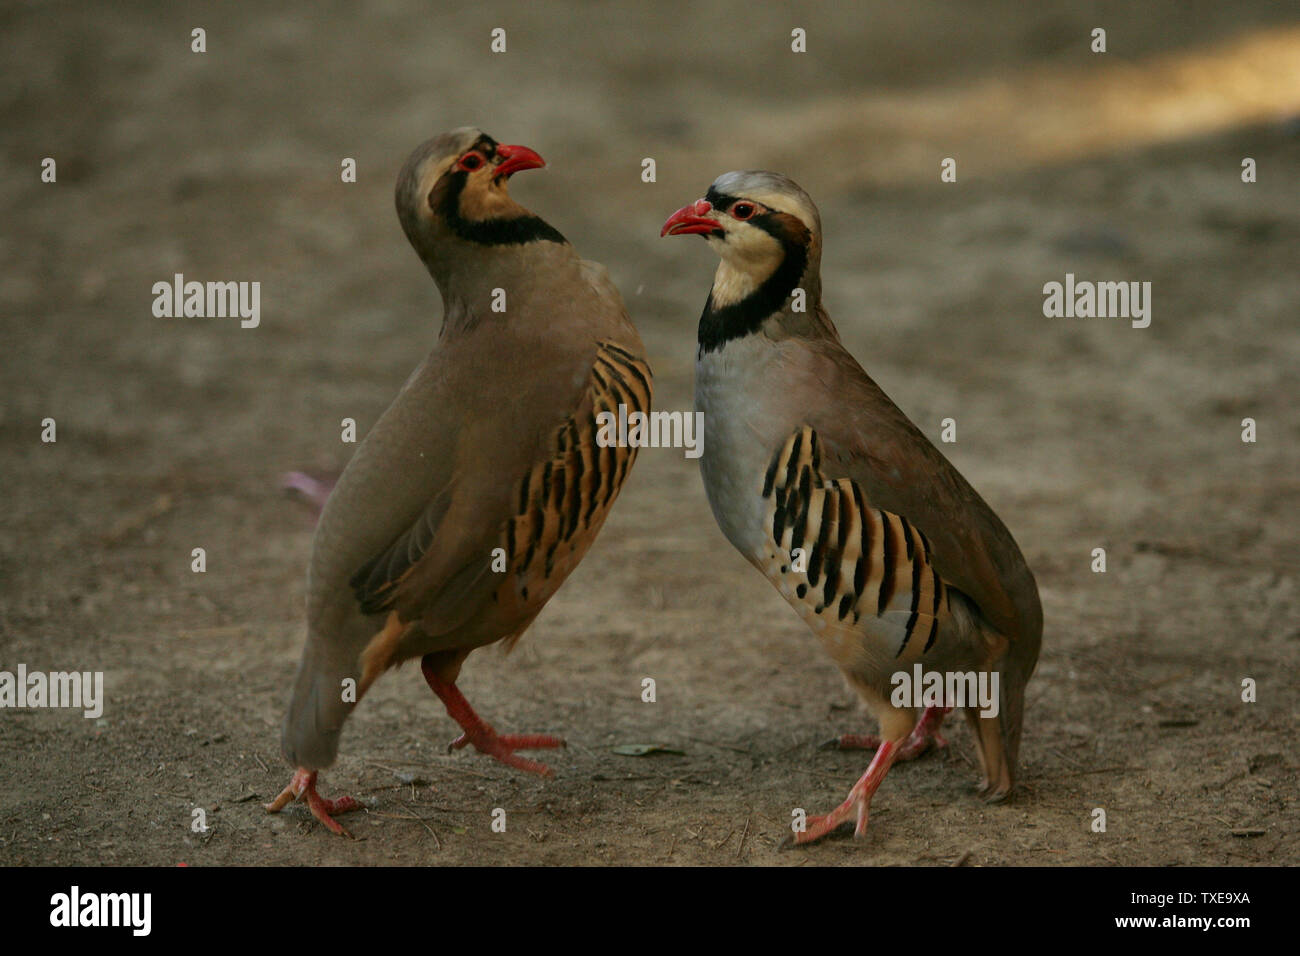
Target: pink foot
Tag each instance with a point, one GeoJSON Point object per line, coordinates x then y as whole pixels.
{"type": "Point", "coordinates": [315, 492]}
{"type": "Point", "coordinates": [858, 802]}
{"type": "Point", "coordinates": [303, 785]}
{"type": "Point", "coordinates": [924, 736]}
{"type": "Point", "coordinates": [479, 732]}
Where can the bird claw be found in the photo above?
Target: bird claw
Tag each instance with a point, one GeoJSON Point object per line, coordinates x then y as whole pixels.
{"type": "Point", "coordinates": [991, 794]}
{"type": "Point", "coordinates": [856, 807]}
{"type": "Point", "coordinates": [913, 747]}
{"type": "Point", "coordinates": [502, 747]}
{"type": "Point", "coordinates": [479, 732]}
{"type": "Point", "coordinates": [303, 787]}
{"type": "Point", "coordinates": [924, 737]}
{"type": "Point", "coordinates": [858, 804]}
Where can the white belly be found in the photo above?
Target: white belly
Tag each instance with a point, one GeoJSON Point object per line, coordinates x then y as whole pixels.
{"type": "Point", "coordinates": [741, 429]}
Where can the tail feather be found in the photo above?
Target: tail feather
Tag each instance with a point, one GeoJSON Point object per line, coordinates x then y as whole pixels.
{"type": "Point", "coordinates": [1018, 665]}
{"type": "Point", "coordinates": [317, 711]}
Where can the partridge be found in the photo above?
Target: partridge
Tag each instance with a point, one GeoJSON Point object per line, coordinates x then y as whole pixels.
{"type": "Point", "coordinates": [825, 486]}
{"type": "Point", "coordinates": [485, 482]}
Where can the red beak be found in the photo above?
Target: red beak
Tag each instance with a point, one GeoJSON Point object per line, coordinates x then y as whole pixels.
{"type": "Point", "coordinates": [691, 220]}
{"type": "Point", "coordinates": [516, 158]}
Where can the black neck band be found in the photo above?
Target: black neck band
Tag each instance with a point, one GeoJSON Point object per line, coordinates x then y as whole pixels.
{"type": "Point", "coordinates": [493, 232]}
{"type": "Point", "coordinates": [719, 326]}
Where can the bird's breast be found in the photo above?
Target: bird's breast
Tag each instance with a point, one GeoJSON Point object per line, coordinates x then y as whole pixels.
{"type": "Point", "coordinates": [733, 458]}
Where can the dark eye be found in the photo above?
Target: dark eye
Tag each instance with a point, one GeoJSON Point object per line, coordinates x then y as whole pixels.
{"type": "Point", "coordinates": [742, 210]}
{"type": "Point", "coordinates": [471, 161]}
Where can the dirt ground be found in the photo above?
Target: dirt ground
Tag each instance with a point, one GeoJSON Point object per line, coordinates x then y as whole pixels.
{"type": "Point", "coordinates": [1081, 433]}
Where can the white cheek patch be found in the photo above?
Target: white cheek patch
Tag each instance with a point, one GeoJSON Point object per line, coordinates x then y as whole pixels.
{"type": "Point", "coordinates": [481, 199]}
{"type": "Point", "coordinates": [730, 284]}
{"type": "Point", "coordinates": [751, 244]}
{"type": "Point", "coordinates": [749, 255]}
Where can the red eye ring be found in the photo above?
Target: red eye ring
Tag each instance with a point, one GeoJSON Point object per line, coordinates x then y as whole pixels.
{"type": "Point", "coordinates": [471, 161]}
{"type": "Point", "coordinates": [743, 210]}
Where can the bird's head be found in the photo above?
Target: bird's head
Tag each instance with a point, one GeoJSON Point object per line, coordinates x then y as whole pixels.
{"type": "Point", "coordinates": [454, 185]}
{"type": "Point", "coordinates": [767, 232]}
{"type": "Point", "coordinates": [751, 218]}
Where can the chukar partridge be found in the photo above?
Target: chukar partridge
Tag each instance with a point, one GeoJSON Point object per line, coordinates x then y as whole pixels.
{"type": "Point", "coordinates": [483, 485]}
{"type": "Point", "coordinates": [825, 486]}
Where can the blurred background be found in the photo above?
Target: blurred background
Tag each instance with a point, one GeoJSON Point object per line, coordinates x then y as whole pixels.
{"type": "Point", "coordinates": [1081, 433]}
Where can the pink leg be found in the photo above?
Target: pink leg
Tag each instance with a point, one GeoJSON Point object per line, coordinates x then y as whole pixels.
{"type": "Point", "coordinates": [925, 735]}
{"type": "Point", "coordinates": [859, 799]}
{"type": "Point", "coordinates": [303, 785]}
{"type": "Point", "coordinates": [316, 492]}
{"type": "Point", "coordinates": [480, 733]}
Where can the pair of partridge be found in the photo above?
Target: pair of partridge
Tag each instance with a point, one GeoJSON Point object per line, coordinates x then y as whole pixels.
{"type": "Point", "coordinates": [826, 487]}
{"type": "Point", "coordinates": [483, 485]}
